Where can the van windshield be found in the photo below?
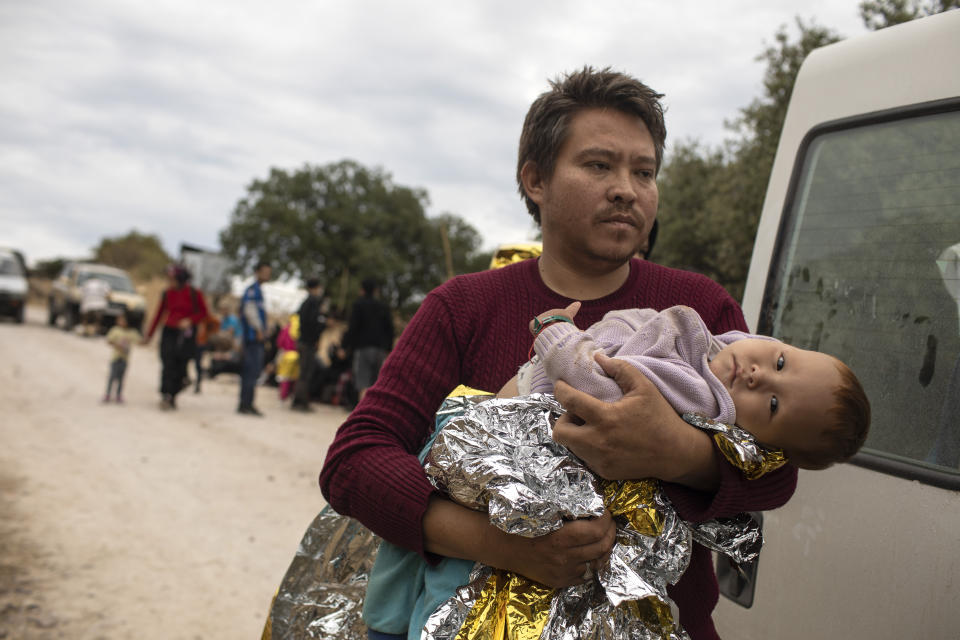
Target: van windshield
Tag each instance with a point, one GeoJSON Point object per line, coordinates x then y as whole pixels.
{"type": "Point", "coordinates": [870, 272]}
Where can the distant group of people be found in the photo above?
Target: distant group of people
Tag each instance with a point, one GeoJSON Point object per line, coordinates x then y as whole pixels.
{"type": "Point", "coordinates": [241, 342]}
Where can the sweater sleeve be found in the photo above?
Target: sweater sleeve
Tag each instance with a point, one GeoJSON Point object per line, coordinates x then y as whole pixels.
{"type": "Point", "coordinates": [567, 353]}
{"type": "Point", "coordinates": [158, 314]}
{"type": "Point", "coordinates": [735, 495]}
{"type": "Point", "coordinates": [371, 472]}
{"type": "Point", "coordinates": [252, 315]}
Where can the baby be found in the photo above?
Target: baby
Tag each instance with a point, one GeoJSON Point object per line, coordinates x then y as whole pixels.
{"type": "Point", "coordinates": [806, 403]}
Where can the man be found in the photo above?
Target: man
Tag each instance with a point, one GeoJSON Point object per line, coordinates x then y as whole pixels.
{"type": "Point", "coordinates": [253, 322]}
{"type": "Point", "coordinates": [94, 299]}
{"type": "Point", "coordinates": [369, 336]}
{"type": "Point", "coordinates": [313, 321]}
{"type": "Point", "coordinates": [590, 150]}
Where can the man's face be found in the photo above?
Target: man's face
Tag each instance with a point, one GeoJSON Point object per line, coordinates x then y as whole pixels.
{"type": "Point", "coordinates": [782, 394]}
{"type": "Point", "coordinates": [598, 206]}
{"type": "Point", "coordinates": [264, 273]}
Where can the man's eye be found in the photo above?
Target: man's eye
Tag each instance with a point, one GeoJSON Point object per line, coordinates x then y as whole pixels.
{"type": "Point", "coordinates": [773, 403]}
{"type": "Point", "coordinates": [780, 362]}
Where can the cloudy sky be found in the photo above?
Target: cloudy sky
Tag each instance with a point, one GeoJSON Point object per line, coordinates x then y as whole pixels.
{"type": "Point", "coordinates": [117, 114]}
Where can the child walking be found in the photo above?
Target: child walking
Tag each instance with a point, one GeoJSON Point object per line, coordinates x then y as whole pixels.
{"type": "Point", "coordinates": [120, 338]}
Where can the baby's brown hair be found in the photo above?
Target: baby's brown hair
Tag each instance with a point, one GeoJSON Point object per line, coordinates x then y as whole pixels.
{"type": "Point", "coordinates": [843, 436]}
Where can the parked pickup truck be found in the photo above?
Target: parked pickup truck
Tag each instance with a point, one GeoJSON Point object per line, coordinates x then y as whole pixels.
{"type": "Point", "coordinates": [858, 255]}
{"type": "Point", "coordinates": [64, 300]}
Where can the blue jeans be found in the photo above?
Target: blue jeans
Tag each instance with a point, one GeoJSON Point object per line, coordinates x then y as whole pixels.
{"type": "Point", "coordinates": [117, 368]}
{"type": "Point", "coordinates": [250, 368]}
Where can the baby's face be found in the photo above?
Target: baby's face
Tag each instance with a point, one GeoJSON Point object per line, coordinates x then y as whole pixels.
{"type": "Point", "coordinates": [781, 393]}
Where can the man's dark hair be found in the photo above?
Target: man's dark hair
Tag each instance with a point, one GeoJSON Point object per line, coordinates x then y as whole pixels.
{"type": "Point", "coordinates": [847, 430]}
{"type": "Point", "coordinates": [313, 283]}
{"type": "Point", "coordinates": [261, 264]}
{"type": "Point", "coordinates": [547, 124]}
{"type": "Point", "coordinates": [369, 285]}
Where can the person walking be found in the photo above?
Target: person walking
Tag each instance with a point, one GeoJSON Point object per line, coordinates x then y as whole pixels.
{"type": "Point", "coordinates": [253, 322]}
{"type": "Point", "coordinates": [369, 336]}
{"type": "Point", "coordinates": [182, 308]}
{"type": "Point", "coordinates": [94, 300]}
{"type": "Point", "coordinates": [313, 321]}
{"type": "Point", "coordinates": [590, 150]}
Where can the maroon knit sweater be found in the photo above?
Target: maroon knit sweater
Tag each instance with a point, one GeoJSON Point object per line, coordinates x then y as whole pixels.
{"type": "Point", "coordinates": [473, 330]}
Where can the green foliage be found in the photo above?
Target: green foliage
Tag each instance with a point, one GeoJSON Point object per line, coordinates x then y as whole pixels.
{"type": "Point", "coordinates": [140, 254]}
{"type": "Point", "coordinates": [710, 200]}
{"type": "Point", "coordinates": [48, 268]}
{"type": "Point", "coordinates": [343, 222]}
{"type": "Point", "coordinates": [880, 14]}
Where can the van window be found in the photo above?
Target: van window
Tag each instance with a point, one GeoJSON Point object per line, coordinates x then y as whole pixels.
{"type": "Point", "coordinates": [9, 266]}
{"type": "Point", "coordinates": [867, 270]}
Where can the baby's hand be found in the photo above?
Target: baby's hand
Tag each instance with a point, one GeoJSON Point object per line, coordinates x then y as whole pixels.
{"type": "Point", "coordinates": [569, 312]}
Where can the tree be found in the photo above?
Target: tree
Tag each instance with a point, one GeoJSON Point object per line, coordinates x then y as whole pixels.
{"type": "Point", "coordinates": [140, 254]}
{"type": "Point", "coordinates": [343, 222]}
{"type": "Point", "coordinates": [49, 268]}
{"type": "Point", "coordinates": [711, 199]}
{"type": "Point", "coordinates": [880, 14]}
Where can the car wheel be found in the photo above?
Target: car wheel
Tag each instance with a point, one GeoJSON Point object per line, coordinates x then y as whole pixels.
{"type": "Point", "coordinates": [19, 317]}
{"type": "Point", "coordinates": [72, 318]}
{"type": "Point", "coordinates": [51, 314]}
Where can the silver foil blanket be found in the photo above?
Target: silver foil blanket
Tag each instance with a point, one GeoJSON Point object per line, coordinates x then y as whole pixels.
{"type": "Point", "coordinates": [499, 455]}
{"type": "Point", "coordinates": [321, 595]}
{"type": "Point", "coordinates": [739, 447]}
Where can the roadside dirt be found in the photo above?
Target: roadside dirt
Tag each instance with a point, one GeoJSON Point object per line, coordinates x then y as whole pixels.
{"type": "Point", "coordinates": [122, 521]}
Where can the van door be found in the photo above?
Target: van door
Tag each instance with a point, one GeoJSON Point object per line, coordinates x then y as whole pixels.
{"type": "Point", "coordinates": [865, 267]}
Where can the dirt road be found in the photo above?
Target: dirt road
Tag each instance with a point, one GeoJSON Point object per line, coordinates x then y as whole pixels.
{"type": "Point", "coordinates": [127, 522]}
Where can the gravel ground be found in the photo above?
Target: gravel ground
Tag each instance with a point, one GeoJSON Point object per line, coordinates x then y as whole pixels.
{"type": "Point", "coordinates": [122, 521]}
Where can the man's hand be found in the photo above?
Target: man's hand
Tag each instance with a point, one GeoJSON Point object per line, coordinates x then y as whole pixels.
{"type": "Point", "coordinates": [558, 559]}
{"type": "Point", "coordinates": [639, 436]}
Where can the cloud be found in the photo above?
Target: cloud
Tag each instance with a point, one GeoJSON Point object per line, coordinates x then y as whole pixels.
{"type": "Point", "coordinates": [118, 115]}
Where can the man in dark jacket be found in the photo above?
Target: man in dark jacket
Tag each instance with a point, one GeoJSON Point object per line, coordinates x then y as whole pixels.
{"type": "Point", "coordinates": [369, 336]}
{"type": "Point", "coordinates": [313, 321]}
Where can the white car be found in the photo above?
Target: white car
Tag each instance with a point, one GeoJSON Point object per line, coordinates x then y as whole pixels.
{"type": "Point", "coordinates": [13, 285]}
{"type": "Point", "coordinates": [65, 295]}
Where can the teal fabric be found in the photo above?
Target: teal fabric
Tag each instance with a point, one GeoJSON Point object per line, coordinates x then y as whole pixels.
{"type": "Point", "coordinates": [403, 590]}
{"type": "Point", "coordinates": [440, 582]}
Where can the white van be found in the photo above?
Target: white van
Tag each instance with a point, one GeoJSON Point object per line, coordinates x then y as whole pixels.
{"type": "Point", "coordinates": [858, 255]}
